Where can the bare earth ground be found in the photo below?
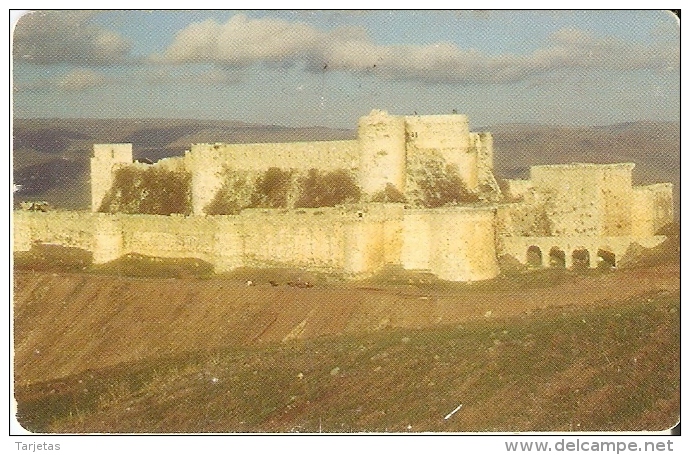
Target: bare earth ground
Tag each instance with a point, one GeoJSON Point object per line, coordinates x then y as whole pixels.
{"type": "Point", "coordinates": [67, 323]}
{"type": "Point", "coordinates": [552, 351]}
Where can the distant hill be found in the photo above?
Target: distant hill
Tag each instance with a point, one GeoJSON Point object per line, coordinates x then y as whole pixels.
{"type": "Point", "coordinates": [51, 155]}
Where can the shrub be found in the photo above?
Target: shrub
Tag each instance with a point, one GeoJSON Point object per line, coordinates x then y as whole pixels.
{"type": "Point", "coordinates": [235, 194]}
{"type": "Point", "coordinates": [389, 194]}
{"type": "Point", "coordinates": [327, 189]}
{"type": "Point", "coordinates": [152, 191]}
{"type": "Point", "coordinates": [272, 189]}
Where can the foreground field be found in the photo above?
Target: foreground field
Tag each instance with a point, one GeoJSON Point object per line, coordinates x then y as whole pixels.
{"type": "Point", "coordinates": [542, 351]}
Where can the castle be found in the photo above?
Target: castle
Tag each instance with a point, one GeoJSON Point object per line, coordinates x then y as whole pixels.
{"type": "Point", "coordinates": [562, 216]}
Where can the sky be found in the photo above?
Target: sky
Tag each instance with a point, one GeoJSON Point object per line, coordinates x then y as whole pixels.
{"type": "Point", "coordinates": [327, 68]}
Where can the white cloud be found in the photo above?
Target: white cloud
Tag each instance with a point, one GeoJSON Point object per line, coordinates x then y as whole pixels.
{"type": "Point", "coordinates": [78, 79]}
{"type": "Point", "coordinates": [81, 79]}
{"type": "Point", "coordinates": [47, 37]}
{"type": "Point", "coordinates": [242, 41]}
{"type": "Point", "coordinates": [212, 76]}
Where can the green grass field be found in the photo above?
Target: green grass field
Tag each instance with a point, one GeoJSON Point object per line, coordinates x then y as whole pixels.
{"type": "Point", "coordinates": [609, 369]}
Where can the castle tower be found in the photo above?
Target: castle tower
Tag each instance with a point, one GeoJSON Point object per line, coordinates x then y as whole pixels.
{"type": "Point", "coordinates": [205, 163]}
{"type": "Point", "coordinates": [462, 243]}
{"type": "Point", "coordinates": [103, 161]}
{"type": "Point", "coordinates": [107, 239]}
{"type": "Point", "coordinates": [485, 154]}
{"type": "Point", "coordinates": [446, 137]}
{"type": "Point", "coordinates": [382, 152]}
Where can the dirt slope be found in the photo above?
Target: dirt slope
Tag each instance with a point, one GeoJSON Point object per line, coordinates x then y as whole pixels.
{"type": "Point", "coordinates": [559, 369]}
{"type": "Point", "coordinates": [68, 323]}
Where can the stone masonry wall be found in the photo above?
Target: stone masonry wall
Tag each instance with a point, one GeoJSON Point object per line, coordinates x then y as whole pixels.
{"type": "Point", "coordinates": [208, 162]}
{"type": "Point", "coordinates": [457, 243]}
{"type": "Point", "coordinates": [615, 183]}
{"type": "Point", "coordinates": [574, 199]}
{"type": "Point", "coordinates": [652, 208]}
{"type": "Point", "coordinates": [105, 158]}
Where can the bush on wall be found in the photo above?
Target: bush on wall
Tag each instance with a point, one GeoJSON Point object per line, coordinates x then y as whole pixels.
{"type": "Point", "coordinates": [272, 189]}
{"type": "Point", "coordinates": [151, 191]}
{"type": "Point", "coordinates": [235, 194]}
{"type": "Point", "coordinates": [278, 188]}
{"type": "Point", "coordinates": [390, 194]}
{"type": "Point", "coordinates": [328, 189]}
{"type": "Point", "coordinates": [241, 190]}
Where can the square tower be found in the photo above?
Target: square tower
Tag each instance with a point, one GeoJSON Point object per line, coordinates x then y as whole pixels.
{"type": "Point", "coordinates": [105, 158]}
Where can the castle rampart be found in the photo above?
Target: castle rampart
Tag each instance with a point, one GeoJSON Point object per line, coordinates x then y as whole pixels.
{"type": "Point", "coordinates": [357, 242]}
{"type": "Point", "coordinates": [462, 243]}
{"type": "Point", "coordinates": [563, 214]}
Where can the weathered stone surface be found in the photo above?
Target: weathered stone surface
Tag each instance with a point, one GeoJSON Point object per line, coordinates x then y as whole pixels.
{"type": "Point", "coordinates": [562, 214]}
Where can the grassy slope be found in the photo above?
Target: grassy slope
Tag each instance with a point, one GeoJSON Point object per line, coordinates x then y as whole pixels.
{"type": "Point", "coordinates": [561, 370]}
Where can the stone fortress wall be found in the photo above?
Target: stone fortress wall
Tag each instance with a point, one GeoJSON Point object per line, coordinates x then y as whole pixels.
{"type": "Point", "coordinates": [356, 243]}
{"type": "Point", "coordinates": [207, 162]}
{"type": "Point", "coordinates": [560, 211]}
{"type": "Point", "coordinates": [580, 207]}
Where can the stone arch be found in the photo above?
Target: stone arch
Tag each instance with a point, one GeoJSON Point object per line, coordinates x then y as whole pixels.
{"type": "Point", "coordinates": [534, 256]}
{"type": "Point", "coordinates": [606, 257]}
{"type": "Point", "coordinates": [557, 258]}
{"type": "Point", "coordinates": [581, 258]}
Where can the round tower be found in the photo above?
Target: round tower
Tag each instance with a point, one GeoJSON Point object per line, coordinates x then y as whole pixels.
{"type": "Point", "coordinates": [382, 152]}
{"type": "Point", "coordinates": [462, 243]}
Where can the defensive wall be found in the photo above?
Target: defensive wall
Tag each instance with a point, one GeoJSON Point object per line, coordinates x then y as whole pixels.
{"type": "Point", "coordinates": [208, 163]}
{"type": "Point", "coordinates": [652, 208]}
{"type": "Point", "coordinates": [356, 241]}
{"type": "Point", "coordinates": [563, 213]}
{"type": "Point", "coordinates": [455, 243]}
{"type": "Point", "coordinates": [389, 149]}
{"type": "Point", "coordinates": [583, 199]}
{"type": "Point", "coordinates": [586, 199]}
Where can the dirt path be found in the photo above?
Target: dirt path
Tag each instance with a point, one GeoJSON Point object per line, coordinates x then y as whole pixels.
{"type": "Point", "coordinates": [67, 323]}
